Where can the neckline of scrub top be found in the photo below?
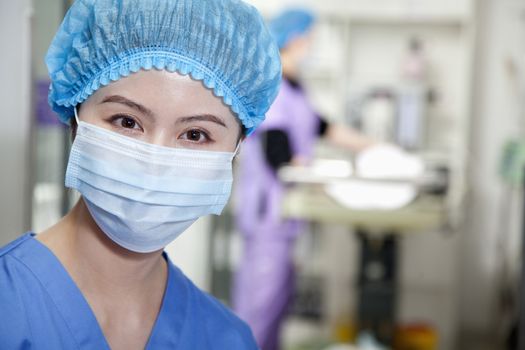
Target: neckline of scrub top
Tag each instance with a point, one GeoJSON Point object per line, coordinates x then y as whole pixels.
{"type": "Point", "coordinates": [81, 319]}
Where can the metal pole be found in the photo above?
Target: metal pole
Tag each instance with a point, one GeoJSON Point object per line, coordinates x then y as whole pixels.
{"type": "Point", "coordinates": [521, 319]}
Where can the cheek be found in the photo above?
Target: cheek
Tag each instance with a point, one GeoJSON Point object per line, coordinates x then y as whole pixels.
{"type": "Point", "coordinates": [90, 115]}
{"type": "Point", "coordinates": [234, 133]}
{"type": "Point", "coordinates": [93, 119]}
{"type": "Point", "coordinates": [240, 131]}
{"type": "Point", "coordinates": [230, 140]}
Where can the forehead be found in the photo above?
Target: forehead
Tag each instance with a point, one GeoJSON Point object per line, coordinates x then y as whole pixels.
{"type": "Point", "coordinates": [163, 91]}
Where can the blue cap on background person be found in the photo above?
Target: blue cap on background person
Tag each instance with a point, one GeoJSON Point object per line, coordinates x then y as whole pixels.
{"type": "Point", "coordinates": [290, 24]}
{"type": "Point", "coordinates": [223, 43]}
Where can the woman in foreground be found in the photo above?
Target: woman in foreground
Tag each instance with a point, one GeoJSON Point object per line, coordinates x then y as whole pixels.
{"type": "Point", "coordinates": [159, 94]}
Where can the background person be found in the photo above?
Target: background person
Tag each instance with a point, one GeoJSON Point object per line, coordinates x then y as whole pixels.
{"type": "Point", "coordinates": [264, 283]}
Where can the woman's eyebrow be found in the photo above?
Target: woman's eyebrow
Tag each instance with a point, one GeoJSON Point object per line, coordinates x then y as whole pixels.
{"type": "Point", "coordinates": [203, 117]}
{"type": "Point", "coordinates": [127, 102]}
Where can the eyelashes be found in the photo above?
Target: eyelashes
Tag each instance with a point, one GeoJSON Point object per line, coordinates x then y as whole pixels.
{"type": "Point", "coordinates": [128, 124]}
{"type": "Point", "coordinates": [196, 135]}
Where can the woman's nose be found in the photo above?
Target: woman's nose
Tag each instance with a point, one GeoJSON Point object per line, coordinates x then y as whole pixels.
{"type": "Point", "coordinates": [160, 137]}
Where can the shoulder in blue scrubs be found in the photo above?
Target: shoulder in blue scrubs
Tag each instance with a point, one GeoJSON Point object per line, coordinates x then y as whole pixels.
{"type": "Point", "coordinates": [42, 308]}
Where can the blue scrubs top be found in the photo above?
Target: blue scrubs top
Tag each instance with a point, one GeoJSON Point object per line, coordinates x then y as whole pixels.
{"type": "Point", "coordinates": [42, 308]}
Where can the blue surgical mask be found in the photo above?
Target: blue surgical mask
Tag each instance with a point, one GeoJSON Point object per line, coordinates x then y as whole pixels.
{"type": "Point", "coordinates": [143, 196]}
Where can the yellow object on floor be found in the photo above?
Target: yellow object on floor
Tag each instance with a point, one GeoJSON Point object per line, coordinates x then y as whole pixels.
{"type": "Point", "coordinates": [416, 337]}
{"type": "Point", "coordinates": [345, 330]}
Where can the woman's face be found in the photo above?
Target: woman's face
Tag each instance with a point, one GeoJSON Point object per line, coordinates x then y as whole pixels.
{"type": "Point", "coordinates": [165, 109]}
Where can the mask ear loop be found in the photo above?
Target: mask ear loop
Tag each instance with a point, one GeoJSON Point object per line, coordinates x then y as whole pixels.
{"type": "Point", "coordinates": [76, 115]}
{"type": "Point", "coordinates": [237, 149]}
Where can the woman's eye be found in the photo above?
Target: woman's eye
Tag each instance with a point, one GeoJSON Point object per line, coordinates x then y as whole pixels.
{"type": "Point", "coordinates": [195, 135]}
{"type": "Point", "coordinates": [125, 122]}
{"type": "Point", "coordinates": [128, 123]}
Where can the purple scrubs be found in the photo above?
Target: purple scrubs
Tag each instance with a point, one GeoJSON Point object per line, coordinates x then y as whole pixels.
{"type": "Point", "coordinates": [264, 282]}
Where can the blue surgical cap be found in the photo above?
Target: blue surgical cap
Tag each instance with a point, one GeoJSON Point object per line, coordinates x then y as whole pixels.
{"type": "Point", "coordinates": [223, 43]}
{"type": "Point", "coordinates": [290, 24]}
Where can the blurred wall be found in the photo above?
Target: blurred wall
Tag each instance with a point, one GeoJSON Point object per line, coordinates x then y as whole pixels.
{"type": "Point", "coordinates": [50, 137]}
{"type": "Point", "coordinates": [498, 116]}
{"type": "Point", "coordinates": [48, 15]}
{"type": "Point", "coordinates": [15, 97]}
